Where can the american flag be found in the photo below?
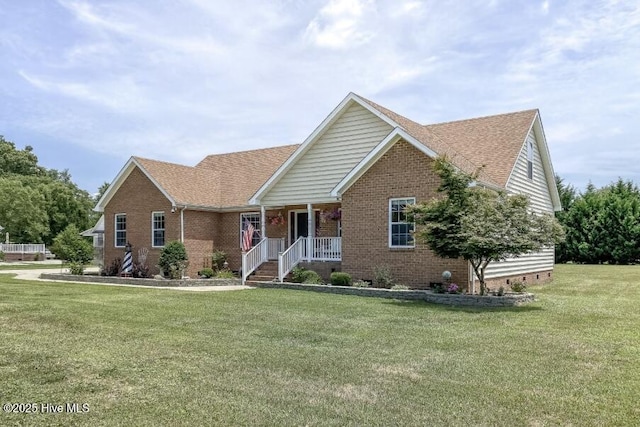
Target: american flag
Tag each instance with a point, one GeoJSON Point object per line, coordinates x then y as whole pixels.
{"type": "Point", "coordinates": [247, 237]}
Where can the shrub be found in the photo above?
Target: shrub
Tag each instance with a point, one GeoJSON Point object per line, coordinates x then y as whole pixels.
{"type": "Point", "coordinates": [225, 274]}
{"type": "Point", "coordinates": [453, 288]}
{"type": "Point", "coordinates": [500, 291]}
{"type": "Point", "coordinates": [140, 271]}
{"type": "Point", "coordinates": [338, 278]}
{"type": "Point", "coordinates": [399, 288]}
{"type": "Point", "coordinates": [360, 284]}
{"type": "Point", "coordinates": [173, 259]}
{"type": "Point", "coordinates": [218, 259]}
{"type": "Point", "coordinates": [518, 286]}
{"type": "Point", "coordinates": [207, 273]}
{"type": "Point", "coordinates": [298, 274]}
{"type": "Point", "coordinates": [112, 269]}
{"type": "Point", "coordinates": [70, 246]}
{"type": "Point", "coordinates": [2, 256]}
{"type": "Point", "coordinates": [76, 268]}
{"type": "Point", "coordinates": [311, 277]}
{"type": "Point", "coordinates": [382, 277]}
{"type": "Point", "coordinates": [37, 257]}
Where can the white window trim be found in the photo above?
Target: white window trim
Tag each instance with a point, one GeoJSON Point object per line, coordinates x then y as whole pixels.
{"type": "Point", "coordinates": [242, 215]}
{"type": "Point", "coordinates": [390, 223]}
{"type": "Point", "coordinates": [115, 229]}
{"type": "Point", "coordinates": [153, 229]}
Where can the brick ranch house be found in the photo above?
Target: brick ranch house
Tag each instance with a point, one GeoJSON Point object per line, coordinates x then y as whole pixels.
{"type": "Point", "coordinates": [334, 202]}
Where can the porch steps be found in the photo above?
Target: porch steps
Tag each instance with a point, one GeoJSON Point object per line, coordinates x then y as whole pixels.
{"type": "Point", "coordinates": [267, 272]}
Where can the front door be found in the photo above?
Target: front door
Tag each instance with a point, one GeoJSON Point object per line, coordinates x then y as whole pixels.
{"type": "Point", "coordinates": [298, 225]}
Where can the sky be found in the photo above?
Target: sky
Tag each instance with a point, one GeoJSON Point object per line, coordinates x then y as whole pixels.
{"type": "Point", "coordinates": [88, 84]}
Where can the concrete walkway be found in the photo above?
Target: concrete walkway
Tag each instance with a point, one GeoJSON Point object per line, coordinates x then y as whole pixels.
{"type": "Point", "coordinates": [34, 274]}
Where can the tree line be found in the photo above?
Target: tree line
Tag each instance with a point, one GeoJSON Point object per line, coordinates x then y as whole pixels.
{"type": "Point", "coordinates": [37, 203]}
{"type": "Point", "coordinates": [602, 225]}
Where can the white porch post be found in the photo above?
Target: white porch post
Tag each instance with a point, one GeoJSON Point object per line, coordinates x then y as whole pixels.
{"type": "Point", "coordinates": [311, 232]}
{"type": "Point", "coordinates": [263, 221]}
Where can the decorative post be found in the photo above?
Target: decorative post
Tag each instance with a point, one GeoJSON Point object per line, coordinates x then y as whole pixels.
{"type": "Point", "coordinates": [310, 231]}
{"type": "Point", "coordinates": [127, 264]}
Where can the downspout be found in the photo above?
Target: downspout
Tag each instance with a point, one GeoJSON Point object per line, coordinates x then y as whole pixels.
{"type": "Point", "coordinates": [472, 276]}
{"type": "Point", "coordinates": [182, 224]}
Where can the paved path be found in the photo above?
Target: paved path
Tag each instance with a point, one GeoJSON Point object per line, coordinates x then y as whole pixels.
{"type": "Point", "coordinates": [34, 274]}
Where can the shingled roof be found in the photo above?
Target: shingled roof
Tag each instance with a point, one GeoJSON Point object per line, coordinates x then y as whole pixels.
{"type": "Point", "coordinates": [491, 142]}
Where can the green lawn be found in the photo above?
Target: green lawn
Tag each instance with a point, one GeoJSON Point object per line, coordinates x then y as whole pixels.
{"type": "Point", "coordinates": [31, 266]}
{"type": "Point", "coordinates": [277, 357]}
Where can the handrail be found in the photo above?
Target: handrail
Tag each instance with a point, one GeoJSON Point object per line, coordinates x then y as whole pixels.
{"type": "Point", "coordinates": [326, 248]}
{"type": "Point", "coordinates": [252, 259]}
{"type": "Point", "coordinates": [291, 257]}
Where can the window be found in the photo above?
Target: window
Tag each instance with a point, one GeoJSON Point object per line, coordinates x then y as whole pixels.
{"type": "Point", "coordinates": [400, 231]}
{"type": "Point", "coordinates": [252, 218]}
{"type": "Point", "coordinates": [121, 230]}
{"type": "Point", "coordinates": [530, 160]}
{"type": "Point", "coordinates": [157, 229]}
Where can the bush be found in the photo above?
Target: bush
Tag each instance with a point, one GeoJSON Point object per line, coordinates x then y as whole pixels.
{"type": "Point", "coordinates": [399, 288]}
{"type": "Point", "coordinates": [338, 278]}
{"type": "Point", "coordinates": [70, 246]}
{"type": "Point", "coordinates": [218, 259]}
{"type": "Point", "coordinates": [112, 269]}
{"type": "Point", "coordinates": [140, 271]}
{"type": "Point", "coordinates": [207, 273]}
{"type": "Point", "coordinates": [225, 274]}
{"type": "Point", "coordinates": [298, 274]}
{"type": "Point", "coordinates": [518, 286]}
{"type": "Point", "coordinates": [311, 277]}
{"type": "Point", "coordinates": [360, 284]}
{"type": "Point", "coordinates": [173, 259]}
{"type": "Point", "coordinates": [37, 257]}
{"type": "Point", "coordinates": [382, 277]}
{"type": "Point", "coordinates": [2, 256]}
{"type": "Point", "coordinates": [76, 268]}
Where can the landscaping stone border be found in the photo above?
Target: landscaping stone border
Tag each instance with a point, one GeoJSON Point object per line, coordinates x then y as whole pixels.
{"type": "Point", "coordinates": [142, 282]}
{"type": "Point", "coordinates": [508, 300]}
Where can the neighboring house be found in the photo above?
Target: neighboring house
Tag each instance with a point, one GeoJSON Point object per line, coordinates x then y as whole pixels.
{"type": "Point", "coordinates": [336, 201]}
{"type": "Point", "coordinates": [97, 234]}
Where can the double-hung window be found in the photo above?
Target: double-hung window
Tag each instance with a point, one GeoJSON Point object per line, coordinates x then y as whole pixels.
{"type": "Point", "coordinates": [157, 229]}
{"type": "Point", "coordinates": [250, 223]}
{"type": "Point", "coordinates": [121, 230]}
{"type": "Point", "coordinates": [400, 230]}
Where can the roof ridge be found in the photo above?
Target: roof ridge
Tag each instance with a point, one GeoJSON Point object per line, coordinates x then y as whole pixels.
{"type": "Point", "coordinates": [482, 117]}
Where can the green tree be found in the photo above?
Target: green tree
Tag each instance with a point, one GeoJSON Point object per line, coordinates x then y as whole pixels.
{"type": "Point", "coordinates": [14, 161]}
{"type": "Point", "coordinates": [568, 195]}
{"type": "Point", "coordinates": [173, 259]}
{"type": "Point", "coordinates": [22, 212]}
{"type": "Point", "coordinates": [478, 224]}
{"type": "Point", "coordinates": [70, 246]}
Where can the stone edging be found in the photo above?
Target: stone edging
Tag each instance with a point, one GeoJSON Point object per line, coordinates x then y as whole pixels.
{"type": "Point", "coordinates": [141, 282]}
{"type": "Point", "coordinates": [509, 300]}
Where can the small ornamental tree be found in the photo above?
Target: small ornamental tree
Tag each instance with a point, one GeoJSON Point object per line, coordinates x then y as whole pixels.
{"type": "Point", "coordinates": [70, 246]}
{"type": "Point", "coordinates": [478, 224]}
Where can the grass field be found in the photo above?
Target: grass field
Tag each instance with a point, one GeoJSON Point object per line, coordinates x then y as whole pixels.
{"type": "Point", "coordinates": [277, 357]}
{"type": "Point", "coordinates": [29, 266]}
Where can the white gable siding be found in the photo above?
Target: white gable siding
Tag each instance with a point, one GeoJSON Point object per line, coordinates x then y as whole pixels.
{"type": "Point", "coordinates": [540, 199]}
{"type": "Point", "coordinates": [356, 132]}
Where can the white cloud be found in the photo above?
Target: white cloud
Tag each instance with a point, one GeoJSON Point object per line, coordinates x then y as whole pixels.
{"type": "Point", "coordinates": [341, 24]}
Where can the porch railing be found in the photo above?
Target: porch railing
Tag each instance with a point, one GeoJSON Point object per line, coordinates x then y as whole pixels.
{"type": "Point", "coordinates": [22, 248]}
{"type": "Point", "coordinates": [252, 259]}
{"type": "Point", "coordinates": [275, 247]}
{"type": "Point", "coordinates": [326, 248]}
{"type": "Point", "coordinates": [291, 257]}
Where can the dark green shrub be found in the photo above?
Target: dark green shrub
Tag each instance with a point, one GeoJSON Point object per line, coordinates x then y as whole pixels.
{"type": "Point", "coordinates": [2, 256]}
{"type": "Point", "coordinates": [207, 273]}
{"type": "Point", "coordinates": [218, 259]}
{"type": "Point", "coordinates": [173, 260]}
{"type": "Point", "coordinates": [338, 278]}
{"type": "Point", "coordinates": [37, 257]}
{"type": "Point", "coordinates": [311, 277]}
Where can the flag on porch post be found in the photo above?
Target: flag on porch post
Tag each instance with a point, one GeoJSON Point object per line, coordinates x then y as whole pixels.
{"type": "Point", "coordinates": [247, 236]}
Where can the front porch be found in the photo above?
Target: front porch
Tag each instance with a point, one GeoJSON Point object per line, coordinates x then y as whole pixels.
{"type": "Point", "coordinates": [295, 234]}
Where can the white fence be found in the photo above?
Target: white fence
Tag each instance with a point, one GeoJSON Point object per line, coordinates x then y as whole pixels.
{"type": "Point", "coordinates": [22, 248]}
{"type": "Point", "coordinates": [291, 257]}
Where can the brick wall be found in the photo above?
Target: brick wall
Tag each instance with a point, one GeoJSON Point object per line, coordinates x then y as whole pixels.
{"type": "Point", "coordinates": [535, 278]}
{"type": "Point", "coordinates": [402, 172]}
